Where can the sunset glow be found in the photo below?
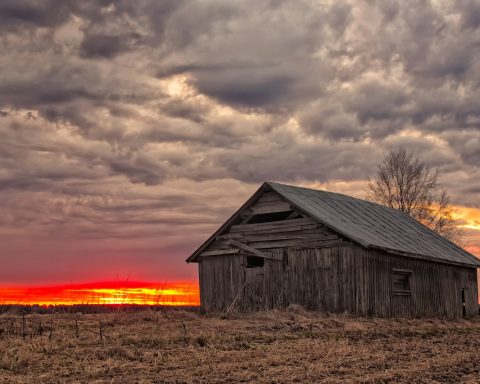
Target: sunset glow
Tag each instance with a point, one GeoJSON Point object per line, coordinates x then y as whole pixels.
{"type": "Point", "coordinates": [469, 217]}
{"type": "Point", "coordinates": [174, 294]}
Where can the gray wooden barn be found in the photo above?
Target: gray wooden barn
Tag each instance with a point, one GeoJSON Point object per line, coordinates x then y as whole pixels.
{"type": "Point", "coordinates": [333, 253]}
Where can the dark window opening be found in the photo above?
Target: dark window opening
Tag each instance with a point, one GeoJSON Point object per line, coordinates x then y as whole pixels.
{"type": "Point", "coordinates": [464, 303]}
{"type": "Point", "coordinates": [255, 262]}
{"type": "Point", "coordinates": [267, 217]}
{"type": "Point", "coordinates": [401, 282]}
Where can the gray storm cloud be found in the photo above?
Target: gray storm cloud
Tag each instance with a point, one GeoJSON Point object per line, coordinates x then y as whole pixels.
{"type": "Point", "coordinates": [121, 122]}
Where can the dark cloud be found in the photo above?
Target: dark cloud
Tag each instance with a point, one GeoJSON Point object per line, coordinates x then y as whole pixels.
{"type": "Point", "coordinates": [470, 12]}
{"type": "Point", "coordinates": [16, 15]}
{"type": "Point", "coordinates": [466, 143]}
{"type": "Point", "coordinates": [103, 46]}
{"type": "Point", "coordinates": [376, 100]}
{"type": "Point", "coordinates": [139, 170]}
{"type": "Point", "coordinates": [253, 93]}
{"type": "Point", "coordinates": [332, 121]}
{"type": "Point", "coordinates": [339, 17]}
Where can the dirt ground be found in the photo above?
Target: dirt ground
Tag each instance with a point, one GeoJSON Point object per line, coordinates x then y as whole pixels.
{"type": "Point", "coordinates": [291, 346]}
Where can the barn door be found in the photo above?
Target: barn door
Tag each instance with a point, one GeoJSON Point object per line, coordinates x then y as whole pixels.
{"type": "Point", "coordinates": [254, 269]}
{"type": "Point", "coordinates": [263, 281]}
{"type": "Point", "coordinates": [464, 302]}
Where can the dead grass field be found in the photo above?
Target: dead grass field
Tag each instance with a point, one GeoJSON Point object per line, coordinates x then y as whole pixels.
{"type": "Point", "coordinates": [292, 346]}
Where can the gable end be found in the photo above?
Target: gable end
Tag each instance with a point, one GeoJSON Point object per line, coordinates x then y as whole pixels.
{"type": "Point", "coordinates": [267, 221]}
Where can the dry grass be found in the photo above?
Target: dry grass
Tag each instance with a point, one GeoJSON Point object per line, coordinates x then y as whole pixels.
{"type": "Point", "coordinates": [269, 347]}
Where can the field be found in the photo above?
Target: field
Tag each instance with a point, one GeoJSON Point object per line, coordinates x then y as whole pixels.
{"type": "Point", "coordinates": [291, 346]}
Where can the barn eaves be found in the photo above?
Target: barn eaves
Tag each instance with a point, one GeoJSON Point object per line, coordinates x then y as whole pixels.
{"type": "Point", "coordinates": [371, 225]}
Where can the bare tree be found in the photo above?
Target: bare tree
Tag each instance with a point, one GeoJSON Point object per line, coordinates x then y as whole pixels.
{"type": "Point", "coordinates": [406, 183]}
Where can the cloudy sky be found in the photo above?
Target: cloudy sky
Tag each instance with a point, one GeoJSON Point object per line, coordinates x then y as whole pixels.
{"type": "Point", "coordinates": [130, 130]}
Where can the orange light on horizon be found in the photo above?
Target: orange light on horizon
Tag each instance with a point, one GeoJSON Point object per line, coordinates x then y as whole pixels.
{"type": "Point", "coordinates": [172, 294]}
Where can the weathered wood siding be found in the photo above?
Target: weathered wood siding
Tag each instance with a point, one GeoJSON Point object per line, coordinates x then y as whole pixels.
{"type": "Point", "coordinates": [360, 281]}
{"type": "Point", "coordinates": [435, 287]}
{"type": "Point", "coordinates": [268, 202]}
{"type": "Point", "coordinates": [221, 278]}
{"type": "Point", "coordinates": [345, 278]}
{"type": "Point", "coordinates": [290, 232]}
{"type": "Point", "coordinates": [287, 233]}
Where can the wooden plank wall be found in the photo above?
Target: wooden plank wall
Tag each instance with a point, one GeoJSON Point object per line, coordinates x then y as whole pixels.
{"type": "Point", "coordinates": [264, 287]}
{"type": "Point", "coordinates": [298, 232]}
{"type": "Point", "coordinates": [339, 279]}
{"type": "Point", "coordinates": [435, 287]}
{"type": "Point", "coordinates": [268, 202]}
{"type": "Point", "coordinates": [294, 232]}
{"type": "Point", "coordinates": [221, 278]}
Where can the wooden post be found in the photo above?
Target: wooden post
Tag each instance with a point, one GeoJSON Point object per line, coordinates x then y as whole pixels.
{"type": "Point", "coordinates": [77, 334]}
{"type": "Point", "coordinates": [101, 331]}
{"type": "Point", "coordinates": [11, 331]}
{"type": "Point", "coordinates": [51, 329]}
{"type": "Point", "coordinates": [184, 329]}
{"type": "Point", "coordinates": [24, 326]}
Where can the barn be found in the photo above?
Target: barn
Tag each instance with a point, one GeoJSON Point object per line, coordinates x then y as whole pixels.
{"type": "Point", "coordinates": [333, 253]}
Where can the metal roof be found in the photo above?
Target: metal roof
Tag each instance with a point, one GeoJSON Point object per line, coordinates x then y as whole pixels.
{"type": "Point", "coordinates": [373, 225]}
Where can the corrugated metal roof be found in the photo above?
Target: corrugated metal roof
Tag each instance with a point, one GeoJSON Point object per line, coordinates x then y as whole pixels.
{"type": "Point", "coordinates": [373, 225]}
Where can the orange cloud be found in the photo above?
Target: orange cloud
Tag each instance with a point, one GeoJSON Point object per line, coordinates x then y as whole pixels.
{"type": "Point", "coordinates": [469, 217]}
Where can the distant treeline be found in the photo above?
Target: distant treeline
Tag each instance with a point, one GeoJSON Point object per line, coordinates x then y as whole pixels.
{"type": "Point", "coordinates": [87, 308]}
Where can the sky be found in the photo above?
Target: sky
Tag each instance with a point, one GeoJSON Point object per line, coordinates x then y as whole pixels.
{"type": "Point", "coordinates": [130, 130]}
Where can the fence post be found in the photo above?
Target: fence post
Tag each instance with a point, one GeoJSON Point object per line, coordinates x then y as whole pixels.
{"type": "Point", "coordinates": [24, 326]}
{"type": "Point", "coordinates": [101, 331]}
{"type": "Point", "coordinates": [51, 329]}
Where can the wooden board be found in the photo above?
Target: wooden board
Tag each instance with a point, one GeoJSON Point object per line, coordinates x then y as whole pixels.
{"type": "Point", "coordinates": [338, 279]}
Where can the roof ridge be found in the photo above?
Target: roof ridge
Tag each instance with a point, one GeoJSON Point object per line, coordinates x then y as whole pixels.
{"type": "Point", "coordinates": [339, 194]}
